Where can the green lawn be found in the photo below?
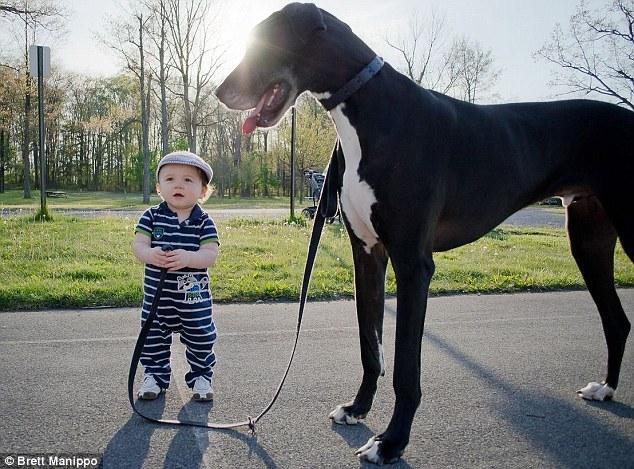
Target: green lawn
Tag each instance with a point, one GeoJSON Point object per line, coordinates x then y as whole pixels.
{"type": "Point", "coordinates": [74, 262]}
{"type": "Point", "coordinates": [132, 201]}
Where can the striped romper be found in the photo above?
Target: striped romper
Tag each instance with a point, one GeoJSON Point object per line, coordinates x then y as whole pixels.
{"type": "Point", "coordinates": [185, 305]}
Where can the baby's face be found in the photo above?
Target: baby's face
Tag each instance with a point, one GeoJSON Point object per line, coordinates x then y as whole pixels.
{"type": "Point", "coordinates": [180, 185]}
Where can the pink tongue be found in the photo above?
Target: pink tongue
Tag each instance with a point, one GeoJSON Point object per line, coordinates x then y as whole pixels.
{"type": "Point", "coordinates": [250, 124]}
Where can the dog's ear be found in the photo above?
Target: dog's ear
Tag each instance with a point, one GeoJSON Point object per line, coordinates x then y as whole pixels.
{"type": "Point", "coordinates": [304, 19]}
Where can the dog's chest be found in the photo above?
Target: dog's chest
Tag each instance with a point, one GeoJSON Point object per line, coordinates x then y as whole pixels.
{"type": "Point", "coordinates": [357, 196]}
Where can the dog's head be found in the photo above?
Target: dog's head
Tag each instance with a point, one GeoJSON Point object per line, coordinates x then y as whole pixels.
{"type": "Point", "coordinates": [296, 49]}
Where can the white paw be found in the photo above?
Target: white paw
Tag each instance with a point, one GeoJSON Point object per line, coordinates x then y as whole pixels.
{"type": "Point", "coordinates": [596, 392]}
{"type": "Point", "coordinates": [341, 417]}
{"type": "Point", "coordinates": [370, 452]}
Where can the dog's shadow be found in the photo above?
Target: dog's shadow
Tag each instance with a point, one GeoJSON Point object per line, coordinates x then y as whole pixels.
{"type": "Point", "coordinates": [355, 435]}
{"type": "Point", "coordinates": [358, 435]}
{"type": "Point", "coordinates": [614, 407]}
{"type": "Point", "coordinates": [557, 427]}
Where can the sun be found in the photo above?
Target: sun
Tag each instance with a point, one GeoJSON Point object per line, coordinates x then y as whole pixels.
{"type": "Point", "coordinates": [237, 21]}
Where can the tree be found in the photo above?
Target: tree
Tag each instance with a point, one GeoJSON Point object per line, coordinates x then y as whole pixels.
{"type": "Point", "coordinates": [596, 52]}
{"type": "Point", "coordinates": [195, 57]}
{"type": "Point", "coordinates": [158, 32]}
{"type": "Point", "coordinates": [129, 44]}
{"type": "Point", "coordinates": [10, 90]}
{"type": "Point", "coordinates": [473, 70]}
{"type": "Point", "coordinates": [39, 12]}
{"type": "Point", "coordinates": [34, 14]}
{"type": "Point", "coordinates": [428, 62]}
{"type": "Point", "coordinates": [462, 69]}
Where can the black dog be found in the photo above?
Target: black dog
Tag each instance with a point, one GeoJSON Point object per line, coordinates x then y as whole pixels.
{"type": "Point", "coordinates": [421, 172]}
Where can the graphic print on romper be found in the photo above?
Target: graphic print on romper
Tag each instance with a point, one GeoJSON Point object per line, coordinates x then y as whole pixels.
{"type": "Point", "coordinates": [158, 232]}
{"type": "Point", "coordinates": [193, 288]}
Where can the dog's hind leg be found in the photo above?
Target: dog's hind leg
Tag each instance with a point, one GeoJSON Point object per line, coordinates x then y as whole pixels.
{"type": "Point", "coordinates": [369, 277]}
{"type": "Point", "coordinates": [592, 240]}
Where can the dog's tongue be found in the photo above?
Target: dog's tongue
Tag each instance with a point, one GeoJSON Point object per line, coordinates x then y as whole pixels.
{"type": "Point", "coordinates": [250, 124]}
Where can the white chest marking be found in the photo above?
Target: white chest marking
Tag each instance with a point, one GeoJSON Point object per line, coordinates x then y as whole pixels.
{"type": "Point", "coordinates": [357, 197]}
{"type": "Point", "coordinates": [566, 200]}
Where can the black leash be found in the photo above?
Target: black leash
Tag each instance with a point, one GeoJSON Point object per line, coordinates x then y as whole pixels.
{"type": "Point", "coordinates": [326, 208]}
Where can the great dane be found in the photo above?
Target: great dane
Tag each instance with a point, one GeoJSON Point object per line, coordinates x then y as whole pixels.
{"type": "Point", "coordinates": [420, 172]}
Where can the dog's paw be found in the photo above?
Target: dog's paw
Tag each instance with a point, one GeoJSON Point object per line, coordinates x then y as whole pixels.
{"type": "Point", "coordinates": [376, 451]}
{"type": "Point", "coordinates": [343, 415]}
{"type": "Point", "coordinates": [596, 392]}
{"type": "Point", "coordinates": [370, 452]}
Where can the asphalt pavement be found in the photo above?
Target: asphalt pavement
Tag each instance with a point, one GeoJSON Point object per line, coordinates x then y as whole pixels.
{"type": "Point", "coordinates": [499, 375]}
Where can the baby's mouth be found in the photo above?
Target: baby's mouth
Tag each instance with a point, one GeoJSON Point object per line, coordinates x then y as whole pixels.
{"type": "Point", "coordinates": [178, 195]}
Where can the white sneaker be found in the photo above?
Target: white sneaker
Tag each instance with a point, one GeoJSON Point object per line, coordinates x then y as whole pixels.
{"type": "Point", "coordinates": [202, 390]}
{"type": "Point", "coordinates": [149, 389]}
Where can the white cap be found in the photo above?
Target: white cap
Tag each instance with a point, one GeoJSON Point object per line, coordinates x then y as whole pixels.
{"type": "Point", "coordinates": [185, 157]}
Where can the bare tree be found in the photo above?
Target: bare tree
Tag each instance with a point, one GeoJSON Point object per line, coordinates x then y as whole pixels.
{"type": "Point", "coordinates": [474, 70]}
{"type": "Point", "coordinates": [158, 33]}
{"type": "Point", "coordinates": [428, 61]}
{"type": "Point", "coordinates": [462, 68]}
{"type": "Point", "coordinates": [195, 57]}
{"type": "Point", "coordinates": [596, 53]}
{"type": "Point", "coordinates": [44, 13]}
{"type": "Point", "coordinates": [128, 43]}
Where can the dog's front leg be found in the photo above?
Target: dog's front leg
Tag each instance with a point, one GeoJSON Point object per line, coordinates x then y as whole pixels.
{"type": "Point", "coordinates": [413, 274]}
{"type": "Point", "coordinates": [369, 277]}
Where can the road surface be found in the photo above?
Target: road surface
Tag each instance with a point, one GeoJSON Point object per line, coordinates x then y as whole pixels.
{"type": "Point", "coordinates": [499, 375]}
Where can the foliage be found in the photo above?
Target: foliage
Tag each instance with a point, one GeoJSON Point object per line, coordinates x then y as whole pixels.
{"type": "Point", "coordinates": [94, 135]}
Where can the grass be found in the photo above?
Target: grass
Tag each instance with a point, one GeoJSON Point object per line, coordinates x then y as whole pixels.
{"type": "Point", "coordinates": [72, 262]}
{"type": "Point", "coordinates": [14, 199]}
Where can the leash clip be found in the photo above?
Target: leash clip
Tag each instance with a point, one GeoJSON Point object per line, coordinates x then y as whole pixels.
{"type": "Point", "coordinates": [251, 426]}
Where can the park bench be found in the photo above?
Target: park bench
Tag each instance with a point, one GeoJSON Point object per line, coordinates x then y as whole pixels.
{"type": "Point", "coordinates": [56, 193]}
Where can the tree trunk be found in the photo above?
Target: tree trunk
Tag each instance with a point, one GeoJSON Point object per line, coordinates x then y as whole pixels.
{"type": "Point", "coordinates": [144, 120]}
{"type": "Point", "coordinates": [4, 141]}
{"type": "Point", "coordinates": [162, 80]}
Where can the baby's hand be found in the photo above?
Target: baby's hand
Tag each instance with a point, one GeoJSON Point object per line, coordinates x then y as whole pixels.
{"type": "Point", "coordinates": [157, 257]}
{"type": "Point", "coordinates": [177, 259]}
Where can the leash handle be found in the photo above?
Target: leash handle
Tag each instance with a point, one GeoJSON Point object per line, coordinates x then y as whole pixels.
{"type": "Point", "coordinates": [325, 206]}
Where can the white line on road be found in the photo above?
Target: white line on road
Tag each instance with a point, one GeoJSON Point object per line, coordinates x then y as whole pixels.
{"type": "Point", "coordinates": [319, 330]}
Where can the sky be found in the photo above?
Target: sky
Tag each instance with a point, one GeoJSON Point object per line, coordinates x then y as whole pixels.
{"type": "Point", "coordinates": [512, 29]}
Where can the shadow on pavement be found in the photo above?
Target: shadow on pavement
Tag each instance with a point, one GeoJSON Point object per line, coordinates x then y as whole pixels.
{"type": "Point", "coordinates": [573, 438]}
{"type": "Point", "coordinates": [130, 447]}
{"type": "Point", "coordinates": [617, 408]}
{"type": "Point", "coordinates": [357, 436]}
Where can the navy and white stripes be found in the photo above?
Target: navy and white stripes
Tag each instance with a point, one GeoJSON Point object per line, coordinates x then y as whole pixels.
{"type": "Point", "coordinates": [185, 305]}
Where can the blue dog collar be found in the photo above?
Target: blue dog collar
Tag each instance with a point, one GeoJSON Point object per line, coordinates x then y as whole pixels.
{"type": "Point", "coordinates": [354, 85]}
